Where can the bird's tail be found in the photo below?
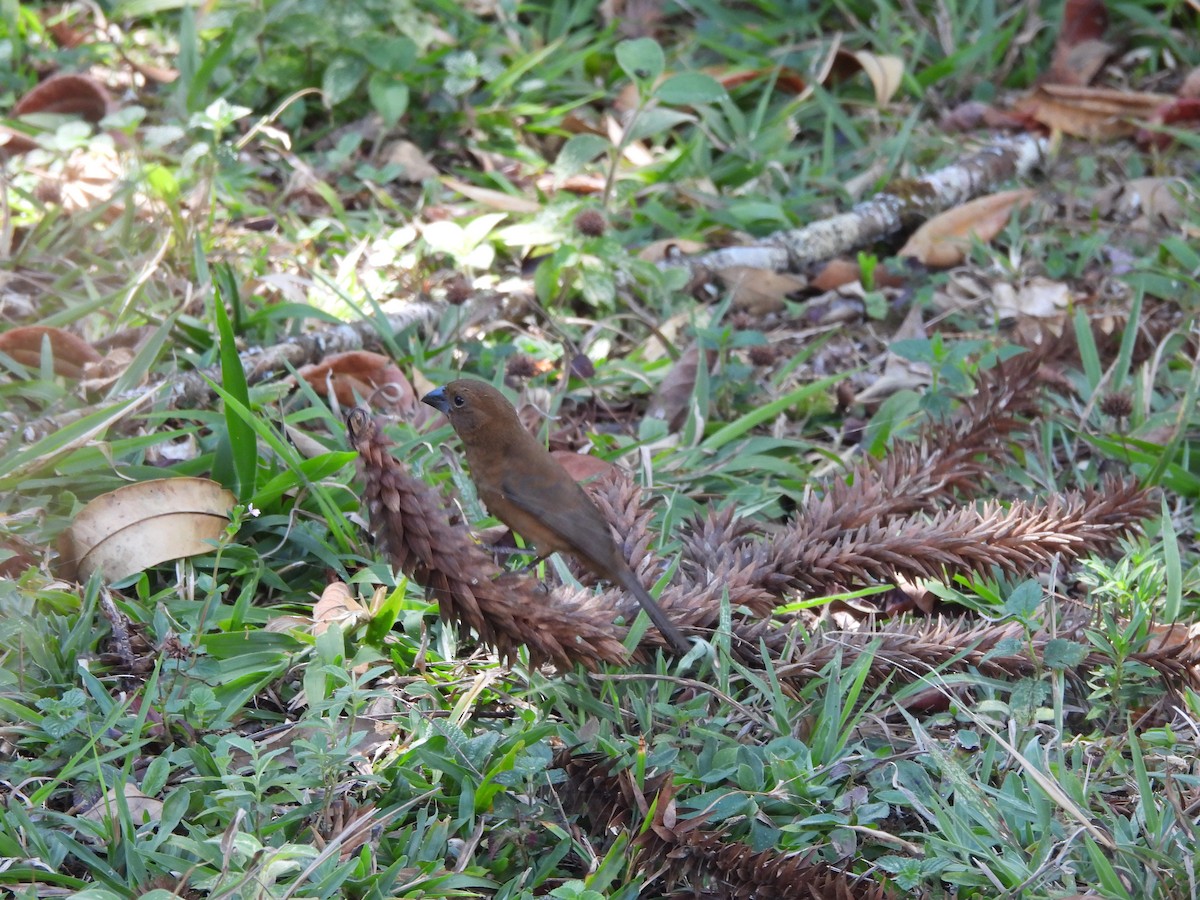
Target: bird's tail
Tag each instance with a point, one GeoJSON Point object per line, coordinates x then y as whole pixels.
{"type": "Point", "coordinates": [673, 635]}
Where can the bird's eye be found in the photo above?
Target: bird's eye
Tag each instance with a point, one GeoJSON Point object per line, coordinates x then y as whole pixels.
{"type": "Point", "coordinates": [458, 400]}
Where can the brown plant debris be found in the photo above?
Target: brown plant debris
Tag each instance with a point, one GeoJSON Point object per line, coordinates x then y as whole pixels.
{"type": "Point", "coordinates": [907, 651]}
{"type": "Point", "coordinates": [818, 554]}
{"type": "Point", "coordinates": [507, 610]}
{"type": "Point", "coordinates": [949, 459]}
{"type": "Point", "coordinates": [894, 517]}
{"type": "Point", "coordinates": [682, 854]}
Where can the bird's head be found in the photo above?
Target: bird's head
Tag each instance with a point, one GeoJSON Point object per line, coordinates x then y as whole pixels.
{"type": "Point", "coordinates": [474, 408]}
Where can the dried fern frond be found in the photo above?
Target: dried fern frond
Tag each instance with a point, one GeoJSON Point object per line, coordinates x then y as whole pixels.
{"type": "Point", "coordinates": [683, 853]}
{"type": "Point", "coordinates": [507, 610]}
{"type": "Point", "coordinates": [819, 556]}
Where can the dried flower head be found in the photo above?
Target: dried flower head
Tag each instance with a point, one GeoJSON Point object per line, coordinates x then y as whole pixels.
{"type": "Point", "coordinates": [1119, 405]}
{"type": "Point", "coordinates": [591, 223]}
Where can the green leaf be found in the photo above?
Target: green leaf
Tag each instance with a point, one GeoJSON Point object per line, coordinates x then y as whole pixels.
{"type": "Point", "coordinates": [578, 151]}
{"type": "Point", "coordinates": [341, 78]}
{"type": "Point", "coordinates": [388, 96]}
{"type": "Point", "coordinates": [242, 446]}
{"type": "Point", "coordinates": [641, 59]}
{"type": "Point", "coordinates": [1173, 604]}
{"type": "Point", "coordinates": [1063, 654]}
{"type": "Point", "coordinates": [689, 89]}
{"type": "Point", "coordinates": [654, 121]}
{"type": "Point", "coordinates": [768, 411]}
{"type": "Point", "coordinates": [1024, 600]}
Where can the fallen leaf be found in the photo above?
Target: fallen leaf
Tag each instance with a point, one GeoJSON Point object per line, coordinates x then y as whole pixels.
{"type": "Point", "coordinates": [975, 114]}
{"type": "Point", "coordinates": [670, 248]}
{"type": "Point", "coordinates": [786, 80]}
{"type": "Point", "coordinates": [1039, 298]}
{"type": "Point", "coordinates": [886, 73]}
{"type": "Point", "coordinates": [583, 466]}
{"type": "Point", "coordinates": [411, 160]}
{"type": "Point", "coordinates": [142, 808]}
{"type": "Point", "coordinates": [1190, 89]}
{"type": "Point", "coordinates": [945, 239]}
{"type": "Point", "coordinates": [1080, 51]}
{"type": "Point", "coordinates": [141, 525]}
{"type": "Point", "coordinates": [1092, 113]}
{"type": "Point", "coordinates": [70, 353]}
{"type": "Point", "coordinates": [1179, 112]}
{"type": "Point", "coordinates": [337, 606]}
{"type": "Point", "coordinates": [672, 399]}
{"type": "Point", "coordinates": [67, 95]}
{"type": "Point", "coordinates": [839, 272]}
{"type": "Point", "coordinates": [1148, 201]}
{"type": "Point", "coordinates": [497, 200]}
{"type": "Point", "coordinates": [103, 374]}
{"type": "Point", "coordinates": [759, 290]}
{"type": "Point", "coordinates": [900, 373]}
{"type": "Point", "coordinates": [357, 374]}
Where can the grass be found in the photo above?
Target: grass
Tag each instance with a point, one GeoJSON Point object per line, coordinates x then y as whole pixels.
{"type": "Point", "coordinates": [185, 731]}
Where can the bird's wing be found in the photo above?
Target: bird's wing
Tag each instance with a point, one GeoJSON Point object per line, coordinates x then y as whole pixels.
{"type": "Point", "coordinates": [561, 506]}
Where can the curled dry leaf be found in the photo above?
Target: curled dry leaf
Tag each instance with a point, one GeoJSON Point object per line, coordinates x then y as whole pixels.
{"type": "Point", "coordinates": [759, 291]}
{"type": "Point", "coordinates": [492, 199]}
{"type": "Point", "coordinates": [67, 95]}
{"type": "Point", "coordinates": [338, 606]}
{"type": "Point", "coordinates": [414, 165]}
{"type": "Point", "coordinates": [786, 80]}
{"type": "Point", "coordinates": [884, 72]}
{"type": "Point", "coordinates": [945, 239]}
{"type": "Point", "coordinates": [1093, 113]}
{"type": "Point", "coordinates": [361, 373]}
{"type": "Point", "coordinates": [141, 525]}
{"type": "Point", "coordinates": [1038, 298]}
{"type": "Point", "coordinates": [669, 248]}
{"type": "Point", "coordinates": [1190, 89]}
{"type": "Point", "coordinates": [71, 353]}
{"type": "Point", "coordinates": [1148, 201]}
{"type": "Point", "coordinates": [1080, 51]}
{"type": "Point", "coordinates": [1185, 111]}
{"type": "Point", "coordinates": [142, 808]}
{"type": "Point", "coordinates": [673, 397]}
{"type": "Point", "coordinates": [583, 466]}
{"type": "Point", "coordinates": [101, 375]}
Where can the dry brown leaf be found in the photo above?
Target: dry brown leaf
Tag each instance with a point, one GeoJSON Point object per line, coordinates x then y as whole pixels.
{"type": "Point", "coordinates": [1038, 298]}
{"type": "Point", "coordinates": [945, 239]}
{"type": "Point", "coordinates": [142, 808]}
{"type": "Point", "coordinates": [497, 200]}
{"type": "Point", "coordinates": [583, 466]}
{"type": "Point", "coordinates": [669, 248]}
{"type": "Point", "coordinates": [974, 114]}
{"type": "Point", "coordinates": [68, 95]}
{"type": "Point", "coordinates": [71, 353]}
{"type": "Point", "coordinates": [338, 606]}
{"type": "Point", "coordinates": [581, 183]}
{"type": "Point", "coordinates": [1190, 89]}
{"type": "Point", "coordinates": [884, 72]}
{"type": "Point", "coordinates": [141, 525]}
{"type": "Point", "coordinates": [361, 373]}
{"type": "Point", "coordinates": [100, 376]}
{"type": "Point", "coordinates": [759, 290]}
{"type": "Point", "coordinates": [673, 398]}
{"type": "Point", "coordinates": [1080, 51]}
{"type": "Point", "coordinates": [1146, 201]}
{"type": "Point", "coordinates": [1185, 111]}
{"type": "Point", "coordinates": [1093, 113]}
{"type": "Point", "coordinates": [409, 157]}
{"type": "Point", "coordinates": [788, 80]}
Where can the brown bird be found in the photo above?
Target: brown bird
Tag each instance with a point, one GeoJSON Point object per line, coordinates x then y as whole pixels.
{"type": "Point", "coordinates": [529, 491]}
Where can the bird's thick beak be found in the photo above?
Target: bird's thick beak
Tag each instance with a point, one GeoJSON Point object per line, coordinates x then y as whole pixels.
{"type": "Point", "coordinates": [437, 399]}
